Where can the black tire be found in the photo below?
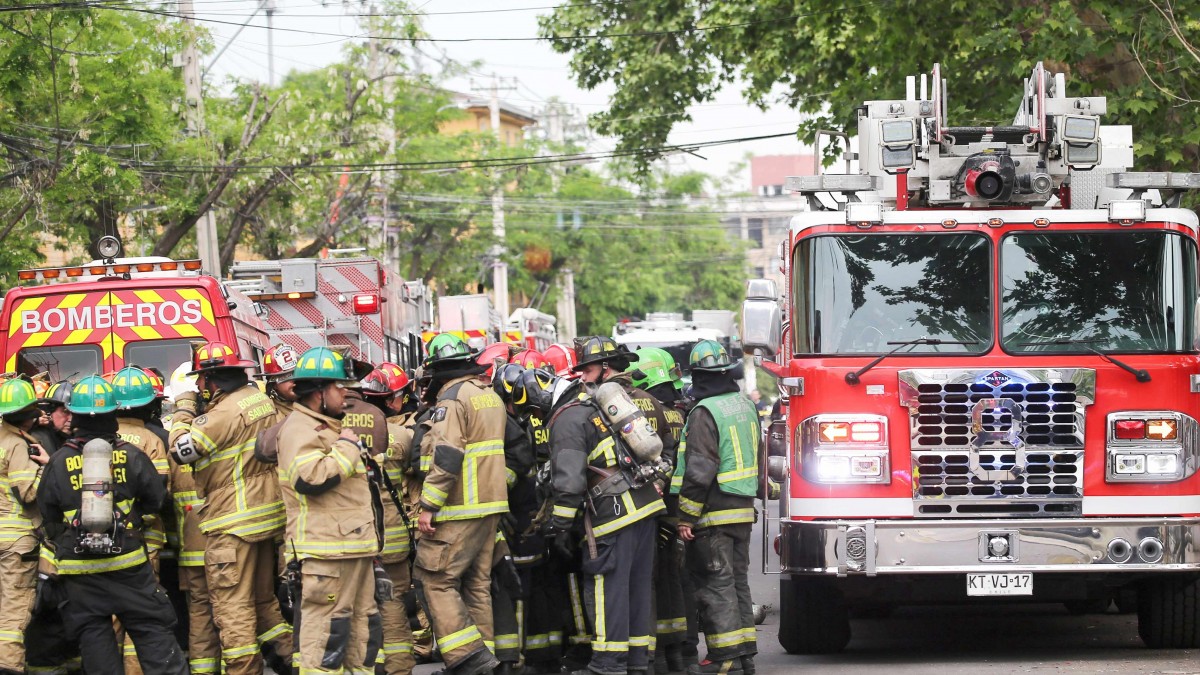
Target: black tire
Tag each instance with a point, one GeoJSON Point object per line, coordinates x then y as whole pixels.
{"type": "Point", "coordinates": [1169, 613]}
{"type": "Point", "coordinates": [812, 616]}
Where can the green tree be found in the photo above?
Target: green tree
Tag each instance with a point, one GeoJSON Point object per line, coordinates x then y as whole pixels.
{"type": "Point", "coordinates": [824, 57]}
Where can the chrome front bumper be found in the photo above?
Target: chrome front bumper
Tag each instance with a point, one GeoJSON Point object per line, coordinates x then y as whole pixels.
{"type": "Point", "coordinates": [871, 547]}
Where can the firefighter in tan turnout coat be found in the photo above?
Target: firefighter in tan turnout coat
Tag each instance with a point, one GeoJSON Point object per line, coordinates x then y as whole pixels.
{"type": "Point", "coordinates": [462, 499]}
{"type": "Point", "coordinates": [331, 522]}
{"type": "Point", "coordinates": [242, 512]}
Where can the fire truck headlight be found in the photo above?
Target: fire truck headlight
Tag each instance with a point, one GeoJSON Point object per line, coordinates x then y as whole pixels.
{"type": "Point", "coordinates": [108, 247]}
{"type": "Point", "coordinates": [1151, 446]}
{"type": "Point", "coordinates": [843, 448]}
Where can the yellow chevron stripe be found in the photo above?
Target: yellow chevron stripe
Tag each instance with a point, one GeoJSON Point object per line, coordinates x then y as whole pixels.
{"type": "Point", "coordinates": [78, 336]}
{"type": "Point", "coordinates": [147, 332]}
{"type": "Point", "coordinates": [186, 330]}
{"type": "Point", "coordinates": [148, 296]}
{"type": "Point", "coordinates": [71, 300]}
{"type": "Point", "coordinates": [28, 304]}
{"type": "Point", "coordinates": [205, 305]}
{"type": "Point", "coordinates": [37, 339]}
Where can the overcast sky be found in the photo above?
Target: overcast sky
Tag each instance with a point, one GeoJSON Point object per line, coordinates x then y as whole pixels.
{"type": "Point", "coordinates": [539, 71]}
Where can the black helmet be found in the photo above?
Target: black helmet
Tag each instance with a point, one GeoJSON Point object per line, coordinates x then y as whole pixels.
{"type": "Point", "coordinates": [600, 349]}
{"type": "Point", "coordinates": [507, 383]}
{"type": "Point", "coordinates": [58, 394]}
{"type": "Point", "coordinates": [536, 391]}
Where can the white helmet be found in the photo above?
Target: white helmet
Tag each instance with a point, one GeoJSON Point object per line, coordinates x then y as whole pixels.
{"type": "Point", "coordinates": [181, 382]}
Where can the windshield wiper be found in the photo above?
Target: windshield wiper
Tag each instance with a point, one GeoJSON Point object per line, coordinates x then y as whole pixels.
{"type": "Point", "coordinates": [1139, 374]}
{"type": "Point", "coordinates": [854, 378]}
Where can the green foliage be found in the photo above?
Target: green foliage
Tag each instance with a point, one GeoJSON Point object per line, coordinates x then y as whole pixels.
{"type": "Point", "coordinates": [825, 57]}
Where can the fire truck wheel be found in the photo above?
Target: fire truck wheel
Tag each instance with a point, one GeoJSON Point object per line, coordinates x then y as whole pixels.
{"type": "Point", "coordinates": [812, 616]}
{"type": "Point", "coordinates": [1169, 613]}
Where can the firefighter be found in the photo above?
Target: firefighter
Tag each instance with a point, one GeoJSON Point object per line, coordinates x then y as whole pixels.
{"type": "Point", "coordinates": [716, 508]}
{"type": "Point", "coordinates": [98, 539]}
{"type": "Point", "coordinates": [279, 362]}
{"type": "Point", "coordinates": [462, 499]}
{"type": "Point", "coordinates": [331, 524]}
{"type": "Point", "coordinates": [243, 510]}
{"type": "Point", "coordinates": [384, 387]}
{"type": "Point", "coordinates": [21, 462]}
{"type": "Point", "coordinates": [656, 373]}
{"type": "Point", "coordinates": [54, 425]}
{"type": "Point", "coordinates": [361, 417]}
{"type": "Point", "coordinates": [619, 514]}
{"type": "Point", "coordinates": [135, 395]}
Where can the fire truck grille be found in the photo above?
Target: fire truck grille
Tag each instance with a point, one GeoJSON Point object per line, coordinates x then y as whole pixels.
{"type": "Point", "coordinates": [997, 443]}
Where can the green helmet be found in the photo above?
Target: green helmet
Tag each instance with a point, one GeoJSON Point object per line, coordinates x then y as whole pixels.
{"type": "Point", "coordinates": [653, 367]}
{"type": "Point", "coordinates": [711, 356]}
{"type": "Point", "coordinates": [446, 347]}
{"type": "Point", "coordinates": [322, 363]}
{"type": "Point", "coordinates": [133, 388]}
{"type": "Point", "coordinates": [92, 396]}
{"type": "Point", "coordinates": [15, 396]}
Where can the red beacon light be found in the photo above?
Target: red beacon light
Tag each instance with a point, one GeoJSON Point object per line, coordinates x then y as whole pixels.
{"type": "Point", "coordinates": [366, 303]}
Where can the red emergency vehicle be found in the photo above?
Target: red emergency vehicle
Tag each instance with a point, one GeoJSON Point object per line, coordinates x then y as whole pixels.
{"type": "Point", "coordinates": [97, 318]}
{"type": "Point", "coordinates": [992, 372]}
{"type": "Point", "coordinates": [350, 302]}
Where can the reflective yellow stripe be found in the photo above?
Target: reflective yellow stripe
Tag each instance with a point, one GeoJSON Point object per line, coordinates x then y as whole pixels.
{"type": "Point", "coordinates": [191, 559]}
{"type": "Point", "coordinates": [601, 622]}
{"type": "Point", "coordinates": [727, 517]}
{"type": "Point", "coordinates": [277, 631]}
{"type": "Point", "coordinates": [560, 511]}
{"type": "Point", "coordinates": [639, 641]}
{"type": "Point", "coordinates": [426, 463]}
{"type": "Point", "coordinates": [508, 641]}
{"type": "Point", "coordinates": [320, 548]}
{"type": "Point", "coordinates": [730, 476]}
{"type": "Point", "coordinates": [99, 565]}
{"type": "Point", "coordinates": [272, 511]}
{"type": "Point", "coordinates": [11, 636]}
{"type": "Point", "coordinates": [228, 655]}
{"type": "Point", "coordinates": [722, 640]}
{"type": "Point", "coordinates": [390, 648]}
{"type": "Point", "coordinates": [631, 515]}
{"type": "Point", "coordinates": [489, 446]}
{"type": "Point", "coordinates": [202, 666]}
{"type": "Point", "coordinates": [459, 639]}
{"type": "Point", "coordinates": [692, 508]}
{"type": "Point", "coordinates": [432, 495]}
{"type": "Point", "coordinates": [467, 512]}
{"type": "Point", "coordinates": [604, 449]}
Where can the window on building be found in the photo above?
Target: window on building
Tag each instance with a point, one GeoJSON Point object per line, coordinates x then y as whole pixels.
{"type": "Point", "coordinates": [754, 231]}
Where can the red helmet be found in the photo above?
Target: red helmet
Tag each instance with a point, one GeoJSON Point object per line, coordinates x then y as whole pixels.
{"type": "Point", "coordinates": [279, 362]}
{"type": "Point", "coordinates": [215, 356]}
{"type": "Point", "coordinates": [529, 358]}
{"type": "Point", "coordinates": [387, 379]}
{"type": "Point", "coordinates": [488, 355]}
{"type": "Point", "coordinates": [397, 378]}
{"type": "Point", "coordinates": [562, 359]}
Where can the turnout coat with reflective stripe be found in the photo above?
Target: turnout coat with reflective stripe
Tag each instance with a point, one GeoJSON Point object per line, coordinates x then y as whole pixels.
{"type": "Point", "coordinates": [462, 452]}
{"type": "Point", "coordinates": [137, 490]}
{"type": "Point", "coordinates": [324, 481]}
{"type": "Point", "coordinates": [241, 493]}
{"type": "Point", "coordinates": [19, 477]}
{"type": "Point", "coordinates": [580, 439]}
{"type": "Point", "coordinates": [717, 472]}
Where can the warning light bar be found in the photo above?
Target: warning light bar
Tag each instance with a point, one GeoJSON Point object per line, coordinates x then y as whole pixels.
{"type": "Point", "coordinates": [294, 295]}
{"type": "Point", "coordinates": [1153, 180]}
{"type": "Point", "coordinates": [93, 272]}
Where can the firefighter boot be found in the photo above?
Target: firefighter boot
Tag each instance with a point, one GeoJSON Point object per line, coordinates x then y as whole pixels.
{"type": "Point", "coordinates": [747, 665]}
{"type": "Point", "coordinates": [676, 663]}
{"type": "Point", "coordinates": [726, 667]}
{"type": "Point", "coordinates": [660, 662]}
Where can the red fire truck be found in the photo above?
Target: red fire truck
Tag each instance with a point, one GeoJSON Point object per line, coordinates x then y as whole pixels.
{"type": "Point", "coordinates": [70, 322]}
{"type": "Point", "coordinates": [992, 372]}
{"type": "Point", "coordinates": [350, 302]}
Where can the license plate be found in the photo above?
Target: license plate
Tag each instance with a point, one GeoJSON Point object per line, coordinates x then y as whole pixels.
{"type": "Point", "coordinates": [1000, 584]}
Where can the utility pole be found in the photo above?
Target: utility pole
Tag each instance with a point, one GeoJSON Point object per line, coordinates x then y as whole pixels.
{"type": "Point", "coordinates": [556, 133]}
{"type": "Point", "coordinates": [269, 5]}
{"type": "Point", "coordinates": [499, 266]}
{"type": "Point", "coordinates": [378, 69]}
{"type": "Point", "coordinates": [193, 103]}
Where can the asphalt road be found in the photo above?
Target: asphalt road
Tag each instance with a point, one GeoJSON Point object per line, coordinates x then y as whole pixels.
{"type": "Point", "coordinates": [969, 638]}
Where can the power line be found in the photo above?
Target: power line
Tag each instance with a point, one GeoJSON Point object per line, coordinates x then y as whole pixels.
{"type": "Point", "coordinates": [99, 4]}
{"type": "Point", "coordinates": [457, 164]}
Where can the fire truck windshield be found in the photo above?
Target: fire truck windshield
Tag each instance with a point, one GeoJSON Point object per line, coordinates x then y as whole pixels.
{"type": "Point", "coordinates": [856, 294]}
{"type": "Point", "coordinates": [1125, 291]}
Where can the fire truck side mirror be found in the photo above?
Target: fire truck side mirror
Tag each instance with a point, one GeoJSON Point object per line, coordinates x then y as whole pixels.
{"type": "Point", "coordinates": [1196, 325]}
{"type": "Point", "coordinates": [762, 319]}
